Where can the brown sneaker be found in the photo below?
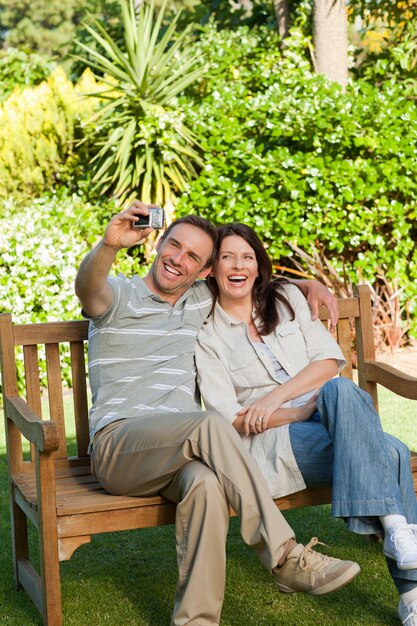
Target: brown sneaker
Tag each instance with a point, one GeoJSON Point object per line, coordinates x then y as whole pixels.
{"type": "Point", "coordinates": [312, 572]}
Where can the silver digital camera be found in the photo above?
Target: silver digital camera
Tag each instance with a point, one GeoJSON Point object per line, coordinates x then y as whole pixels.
{"type": "Point", "coordinates": [155, 219]}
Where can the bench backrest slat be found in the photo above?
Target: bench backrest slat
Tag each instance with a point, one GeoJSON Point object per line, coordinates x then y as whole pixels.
{"type": "Point", "coordinates": [32, 381]}
{"type": "Point", "coordinates": [78, 367]}
{"type": "Point", "coordinates": [344, 339]}
{"type": "Point", "coordinates": [55, 395]}
{"type": "Point", "coordinates": [349, 311]}
{"type": "Point", "coordinates": [33, 386]}
{"type": "Point", "coordinates": [51, 332]}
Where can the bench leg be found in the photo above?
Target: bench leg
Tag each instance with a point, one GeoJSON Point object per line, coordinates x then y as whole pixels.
{"type": "Point", "coordinates": [51, 583]}
{"type": "Point", "coordinates": [48, 542]}
{"type": "Point", "coordinates": [44, 590]}
{"type": "Point", "coordinates": [20, 544]}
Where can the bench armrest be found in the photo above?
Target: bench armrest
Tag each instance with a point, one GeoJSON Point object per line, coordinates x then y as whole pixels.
{"type": "Point", "coordinates": [390, 377]}
{"type": "Point", "coordinates": [42, 433]}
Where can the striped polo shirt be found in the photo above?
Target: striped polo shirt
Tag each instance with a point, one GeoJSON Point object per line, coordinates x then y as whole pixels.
{"type": "Point", "coordinates": [141, 352]}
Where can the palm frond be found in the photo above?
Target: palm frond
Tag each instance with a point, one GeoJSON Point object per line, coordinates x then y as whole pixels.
{"type": "Point", "coordinates": [174, 175]}
{"type": "Point", "coordinates": [163, 55]}
{"type": "Point", "coordinates": [175, 85]}
{"type": "Point", "coordinates": [142, 142]}
{"type": "Point", "coordinates": [113, 62]}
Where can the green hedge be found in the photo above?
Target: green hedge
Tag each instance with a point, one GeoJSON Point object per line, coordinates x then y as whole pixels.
{"type": "Point", "coordinates": [18, 70]}
{"type": "Point", "coordinates": [286, 152]}
{"type": "Point", "coordinates": [41, 248]}
{"type": "Point", "coordinates": [37, 127]}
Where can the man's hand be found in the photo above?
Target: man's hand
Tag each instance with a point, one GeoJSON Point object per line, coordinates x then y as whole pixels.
{"type": "Point", "coordinates": [317, 295]}
{"type": "Point", "coordinates": [120, 232]}
{"type": "Point", "coordinates": [91, 284]}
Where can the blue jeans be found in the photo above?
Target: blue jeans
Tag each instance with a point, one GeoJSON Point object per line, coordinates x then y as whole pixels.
{"type": "Point", "coordinates": [343, 445]}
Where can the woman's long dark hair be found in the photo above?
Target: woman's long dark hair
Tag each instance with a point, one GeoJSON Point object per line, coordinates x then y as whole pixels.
{"type": "Point", "coordinates": [268, 293]}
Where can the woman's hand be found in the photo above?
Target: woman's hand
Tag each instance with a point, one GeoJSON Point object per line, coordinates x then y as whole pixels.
{"type": "Point", "coordinates": [257, 415]}
{"type": "Point", "coordinates": [262, 414]}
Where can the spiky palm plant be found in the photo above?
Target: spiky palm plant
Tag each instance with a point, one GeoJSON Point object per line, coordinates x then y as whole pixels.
{"type": "Point", "coordinates": [144, 147]}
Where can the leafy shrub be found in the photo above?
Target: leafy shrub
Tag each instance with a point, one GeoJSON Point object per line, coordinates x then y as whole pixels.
{"type": "Point", "coordinates": [396, 62]}
{"type": "Point", "coordinates": [50, 237]}
{"type": "Point", "coordinates": [48, 28]}
{"type": "Point", "coordinates": [41, 247]}
{"type": "Point", "coordinates": [19, 69]}
{"type": "Point", "coordinates": [37, 128]}
{"type": "Point", "coordinates": [391, 317]}
{"type": "Point", "coordinates": [286, 152]}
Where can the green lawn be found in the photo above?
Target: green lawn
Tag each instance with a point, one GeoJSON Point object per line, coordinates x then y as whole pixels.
{"type": "Point", "coordinates": [129, 578]}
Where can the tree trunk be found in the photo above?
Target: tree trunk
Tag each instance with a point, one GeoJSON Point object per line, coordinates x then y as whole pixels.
{"type": "Point", "coordinates": [282, 15]}
{"type": "Point", "coordinates": [330, 40]}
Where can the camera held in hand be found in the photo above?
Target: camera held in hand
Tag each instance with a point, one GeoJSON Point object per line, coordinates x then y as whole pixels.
{"type": "Point", "coordinates": [155, 219]}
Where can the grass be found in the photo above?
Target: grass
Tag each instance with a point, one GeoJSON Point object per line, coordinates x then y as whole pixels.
{"type": "Point", "coordinates": [129, 577]}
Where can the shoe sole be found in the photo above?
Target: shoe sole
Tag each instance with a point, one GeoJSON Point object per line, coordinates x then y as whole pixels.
{"type": "Point", "coordinates": [334, 585]}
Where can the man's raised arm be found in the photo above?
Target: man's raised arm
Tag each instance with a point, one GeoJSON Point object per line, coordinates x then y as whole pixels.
{"type": "Point", "coordinates": [91, 286]}
{"type": "Point", "coordinates": [317, 294]}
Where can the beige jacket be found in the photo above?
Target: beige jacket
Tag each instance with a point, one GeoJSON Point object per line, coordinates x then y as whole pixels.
{"type": "Point", "coordinates": [231, 375]}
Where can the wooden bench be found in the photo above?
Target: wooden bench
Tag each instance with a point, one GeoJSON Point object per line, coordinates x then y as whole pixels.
{"type": "Point", "coordinates": [58, 493]}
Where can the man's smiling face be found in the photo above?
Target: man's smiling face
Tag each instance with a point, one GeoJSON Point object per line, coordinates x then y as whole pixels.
{"type": "Point", "coordinates": [182, 258]}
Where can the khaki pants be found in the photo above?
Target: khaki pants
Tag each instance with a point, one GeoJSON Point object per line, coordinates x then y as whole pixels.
{"type": "Point", "coordinates": [198, 461]}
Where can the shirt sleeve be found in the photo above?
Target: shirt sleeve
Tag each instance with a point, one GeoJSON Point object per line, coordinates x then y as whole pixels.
{"type": "Point", "coordinates": [116, 284]}
{"type": "Point", "coordinates": [216, 387]}
{"type": "Point", "coordinates": [320, 344]}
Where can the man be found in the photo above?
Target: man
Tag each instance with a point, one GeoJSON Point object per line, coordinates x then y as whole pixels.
{"type": "Point", "coordinates": [149, 434]}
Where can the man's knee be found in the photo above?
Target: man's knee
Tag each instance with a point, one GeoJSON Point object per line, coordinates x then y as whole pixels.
{"type": "Point", "coordinates": [198, 477]}
{"type": "Point", "coordinates": [199, 487]}
{"type": "Point", "coordinates": [216, 423]}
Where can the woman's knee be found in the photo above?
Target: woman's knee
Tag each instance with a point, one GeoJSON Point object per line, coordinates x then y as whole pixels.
{"type": "Point", "coordinates": [398, 451]}
{"type": "Point", "coordinates": [338, 386]}
{"type": "Point", "coordinates": [344, 391]}
{"type": "Point", "coordinates": [335, 393]}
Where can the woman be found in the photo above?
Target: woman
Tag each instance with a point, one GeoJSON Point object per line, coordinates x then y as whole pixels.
{"type": "Point", "coordinates": [268, 368]}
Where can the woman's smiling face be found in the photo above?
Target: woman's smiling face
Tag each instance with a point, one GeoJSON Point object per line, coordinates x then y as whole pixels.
{"type": "Point", "coordinates": [235, 269]}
